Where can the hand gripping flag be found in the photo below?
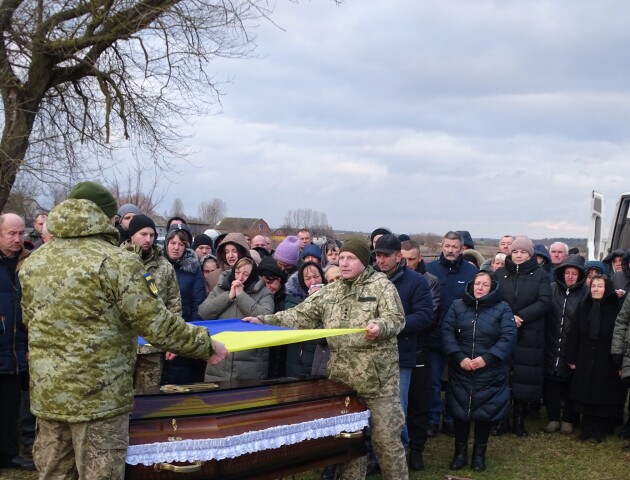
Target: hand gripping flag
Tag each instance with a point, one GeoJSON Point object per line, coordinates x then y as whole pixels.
{"type": "Point", "coordinates": [238, 335]}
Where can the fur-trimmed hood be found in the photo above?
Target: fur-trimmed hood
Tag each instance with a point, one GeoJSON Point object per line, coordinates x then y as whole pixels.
{"type": "Point", "coordinates": [189, 262]}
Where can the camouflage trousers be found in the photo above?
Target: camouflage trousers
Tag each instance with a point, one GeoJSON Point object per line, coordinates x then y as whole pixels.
{"type": "Point", "coordinates": [88, 450]}
{"type": "Point", "coordinates": [386, 423]}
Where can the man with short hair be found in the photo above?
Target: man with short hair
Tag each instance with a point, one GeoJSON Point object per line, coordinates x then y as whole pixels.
{"type": "Point", "coordinates": [259, 241]}
{"type": "Point", "coordinates": [85, 302]}
{"type": "Point", "coordinates": [454, 273]}
{"type": "Point", "coordinates": [417, 302]}
{"type": "Point", "coordinates": [418, 409]}
{"type": "Point", "coordinates": [35, 236]}
{"type": "Point", "coordinates": [305, 238]}
{"type": "Point", "coordinates": [558, 251]}
{"type": "Point", "coordinates": [505, 243]}
{"type": "Point", "coordinates": [368, 363]}
{"type": "Point", "coordinates": [13, 339]}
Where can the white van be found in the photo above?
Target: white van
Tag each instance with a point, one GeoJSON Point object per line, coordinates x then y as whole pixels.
{"type": "Point", "coordinates": [618, 235]}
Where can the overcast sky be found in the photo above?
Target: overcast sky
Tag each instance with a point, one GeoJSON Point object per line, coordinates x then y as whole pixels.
{"type": "Point", "coordinates": [423, 116]}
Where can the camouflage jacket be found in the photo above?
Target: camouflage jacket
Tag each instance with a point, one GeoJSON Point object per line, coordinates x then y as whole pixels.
{"type": "Point", "coordinates": [163, 275]}
{"type": "Point", "coordinates": [370, 367]}
{"type": "Point", "coordinates": [84, 301]}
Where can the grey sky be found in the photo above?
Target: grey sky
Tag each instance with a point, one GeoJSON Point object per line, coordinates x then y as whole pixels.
{"type": "Point", "coordinates": [423, 116]}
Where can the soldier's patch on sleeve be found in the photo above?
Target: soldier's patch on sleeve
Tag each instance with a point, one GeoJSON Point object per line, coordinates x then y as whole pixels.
{"type": "Point", "coordinates": [151, 284]}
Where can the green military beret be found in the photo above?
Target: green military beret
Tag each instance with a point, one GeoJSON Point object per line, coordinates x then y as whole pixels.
{"type": "Point", "coordinates": [97, 194]}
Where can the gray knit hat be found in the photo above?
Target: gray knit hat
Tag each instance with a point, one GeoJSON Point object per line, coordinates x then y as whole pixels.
{"type": "Point", "coordinates": [523, 243]}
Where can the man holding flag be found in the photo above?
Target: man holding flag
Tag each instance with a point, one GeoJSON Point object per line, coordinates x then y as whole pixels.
{"type": "Point", "coordinates": [368, 363]}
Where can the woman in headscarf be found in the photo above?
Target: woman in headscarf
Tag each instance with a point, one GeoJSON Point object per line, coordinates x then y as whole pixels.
{"type": "Point", "coordinates": [596, 388]}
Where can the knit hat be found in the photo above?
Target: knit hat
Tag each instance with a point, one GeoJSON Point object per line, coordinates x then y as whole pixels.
{"type": "Point", "coordinates": [139, 222]}
{"type": "Point", "coordinates": [96, 193]}
{"type": "Point", "coordinates": [522, 243]}
{"type": "Point", "coordinates": [357, 247]}
{"type": "Point", "coordinates": [179, 227]}
{"type": "Point", "coordinates": [379, 231]}
{"type": "Point", "coordinates": [269, 267]}
{"type": "Point", "coordinates": [128, 208]}
{"type": "Point", "coordinates": [403, 237]}
{"type": "Point", "coordinates": [202, 239]}
{"type": "Point", "coordinates": [288, 251]}
{"type": "Point", "coordinates": [312, 250]}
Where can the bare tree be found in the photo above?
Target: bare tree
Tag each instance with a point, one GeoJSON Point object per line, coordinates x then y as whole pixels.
{"type": "Point", "coordinates": [314, 220]}
{"type": "Point", "coordinates": [211, 211]}
{"type": "Point", "coordinates": [177, 208]}
{"type": "Point", "coordinates": [142, 189]}
{"type": "Point", "coordinates": [81, 77]}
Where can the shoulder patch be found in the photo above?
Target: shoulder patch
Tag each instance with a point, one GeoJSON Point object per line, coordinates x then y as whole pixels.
{"type": "Point", "coordinates": [151, 284]}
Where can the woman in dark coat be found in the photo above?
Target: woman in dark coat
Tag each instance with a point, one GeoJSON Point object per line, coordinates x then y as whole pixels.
{"type": "Point", "coordinates": [478, 337]}
{"type": "Point", "coordinates": [181, 370]}
{"type": "Point", "coordinates": [596, 389]}
{"type": "Point", "coordinates": [567, 292]}
{"type": "Point", "coordinates": [526, 289]}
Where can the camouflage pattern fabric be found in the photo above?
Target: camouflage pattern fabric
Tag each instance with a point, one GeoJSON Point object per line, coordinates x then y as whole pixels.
{"type": "Point", "coordinates": [99, 446]}
{"type": "Point", "coordinates": [84, 302]}
{"type": "Point", "coordinates": [163, 274]}
{"type": "Point", "coordinates": [370, 367]}
{"type": "Point", "coordinates": [386, 424]}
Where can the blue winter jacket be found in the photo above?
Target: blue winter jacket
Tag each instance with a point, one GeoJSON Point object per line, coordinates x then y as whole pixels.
{"type": "Point", "coordinates": [453, 278]}
{"type": "Point", "coordinates": [191, 284]}
{"type": "Point", "coordinates": [415, 294]}
{"type": "Point", "coordinates": [484, 328]}
{"type": "Point", "coordinates": [13, 339]}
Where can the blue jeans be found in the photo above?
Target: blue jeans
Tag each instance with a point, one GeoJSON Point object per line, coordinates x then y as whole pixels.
{"type": "Point", "coordinates": [405, 381]}
{"type": "Point", "coordinates": [437, 363]}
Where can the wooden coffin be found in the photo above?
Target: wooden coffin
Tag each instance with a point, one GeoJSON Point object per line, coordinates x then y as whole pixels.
{"type": "Point", "coordinates": [244, 430]}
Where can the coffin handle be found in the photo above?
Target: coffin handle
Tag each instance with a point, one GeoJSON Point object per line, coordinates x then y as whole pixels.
{"type": "Point", "coordinates": [195, 467]}
{"type": "Point", "coordinates": [357, 434]}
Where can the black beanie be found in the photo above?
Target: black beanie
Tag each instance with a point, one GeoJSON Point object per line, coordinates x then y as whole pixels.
{"type": "Point", "coordinates": [138, 222]}
{"type": "Point", "coordinates": [96, 193]}
{"type": "Point", "coordinates": [201, 239]}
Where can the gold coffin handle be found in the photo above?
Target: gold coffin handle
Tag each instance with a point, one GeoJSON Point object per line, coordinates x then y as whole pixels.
{"type": "Point", "coordinates": [357, 434]}
{"type": "Point", "coordinates": [195, 467]}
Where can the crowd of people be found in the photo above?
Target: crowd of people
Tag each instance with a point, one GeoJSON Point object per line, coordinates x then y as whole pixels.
{"type": "Point", "coordinates": [451, 343]}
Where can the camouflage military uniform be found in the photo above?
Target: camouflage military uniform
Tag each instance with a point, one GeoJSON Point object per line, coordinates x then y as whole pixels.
{"type": "Point", "coordinates": [84, 302]}
{"type": "Point", "coordinates": [370, 367]}
{"type": "Point", "coordinates": [163, 274]}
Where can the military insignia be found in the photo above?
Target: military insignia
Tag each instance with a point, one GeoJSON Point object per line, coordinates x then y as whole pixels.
{"type": "Point", "coordinates": [151, 284]}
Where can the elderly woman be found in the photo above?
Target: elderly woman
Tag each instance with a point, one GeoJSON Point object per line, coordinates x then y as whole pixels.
{"type": "Point", "coordinates": [596, 388]}
{"type": "Point", "coordinates": [240, 293]}
{"type": "Point", "coordinates": [526, 289]}
{"type": "Point", "coordinates": [478, 337]}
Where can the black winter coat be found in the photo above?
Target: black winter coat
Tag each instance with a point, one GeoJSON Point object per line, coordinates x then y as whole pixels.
{"type": "Point", "coordinates": [596, 377]}
{"type": "Point", "coordinates": [474, 328]}
{"type": "Point", "coordinates": [565, 302]}
{"type": "Point", "coordinates": [527, 291]}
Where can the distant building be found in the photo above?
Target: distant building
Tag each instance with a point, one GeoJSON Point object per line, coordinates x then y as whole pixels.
{"type": "Point", "coordinates": [246, 226]}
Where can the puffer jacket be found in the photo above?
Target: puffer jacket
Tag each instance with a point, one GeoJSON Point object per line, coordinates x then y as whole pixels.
{"type": "Point", "coordinates": [453, 278]}
{"type": "Point", "coordinates": [565, 302]}
{"type": "Point", "coordinates": [527, 291]}
{"type": "Point", "coordinates": [13, 338]}
{"type": "Point", "coordinates": [163, 275]}
{"type": "Point", "coordinates": [256, 300]}
{"type": "Point", "coordinates": [484, 328]}
{"type": "Point", "coordinates": [85, 301]}
{"type": "Point", "coordinates": [370, 367]}
{"type": "Point", "coordinates": [192, 287]}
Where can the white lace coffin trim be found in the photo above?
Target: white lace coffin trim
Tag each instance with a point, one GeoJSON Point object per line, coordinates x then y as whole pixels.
{"type": "Point", "coordinates": [236, 445]}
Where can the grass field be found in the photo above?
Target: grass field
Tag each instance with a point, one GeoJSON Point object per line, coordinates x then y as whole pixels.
{"type": "Point", "coordinates": [538, 457]}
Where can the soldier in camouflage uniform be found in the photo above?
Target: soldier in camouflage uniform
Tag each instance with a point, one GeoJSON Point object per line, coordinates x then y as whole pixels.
{"type": "Point", "coordinates": [85, 301]}
{"type": "Point", "coordinates": [155, 263]}
{"type": "Point", "coordinates": [364, 298]}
